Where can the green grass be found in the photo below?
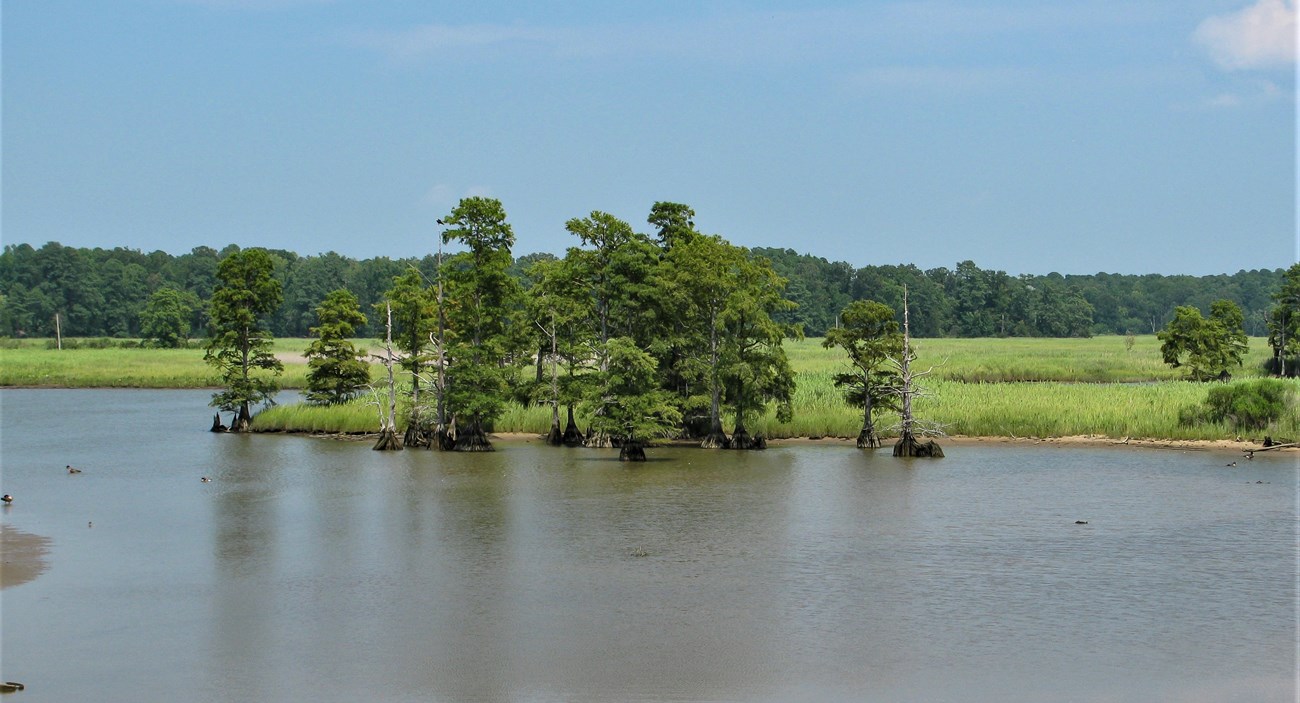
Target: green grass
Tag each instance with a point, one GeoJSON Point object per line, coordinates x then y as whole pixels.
{"type": "Point", "coordinates": [1092, 360]}
{"type": "Point", "coordinates": [981, 387]}
{"type": "Point", "coordinates": [358, 416]}
{"type": "Point", "coordinates": [29, 363]}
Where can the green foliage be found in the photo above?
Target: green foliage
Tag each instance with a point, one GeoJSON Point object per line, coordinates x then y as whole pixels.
{"type": "Point", "coordinates": [238, 342]}
{"type": "Point", "coordinates": [754, 368]}
{"type": "Point", "coordinates": [869, 335]}
{"type": "Point", "coordinates": [674, 223]}
{"type": "Point", "coordinates": [165, 320]}
{"type": "Point", "coordinates": [629, 403]}
{"type": "Point", "coordinates": [100, 292]}
{"type": "Point", "coordinates": [1250, 405]}
{"type": "Point", "coordinates": [1284, 325]}
{"type": "Point", "coordinates": [414, 306]}
{"type": "Point", "coordinates": [1207, 347]}
{"type": "Point", "coordinates": [337, 373]}
{"type": "Point", "coordinates": [485, 328]}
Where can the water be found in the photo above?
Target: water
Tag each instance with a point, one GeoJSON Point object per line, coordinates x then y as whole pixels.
{"type": "Point", "coordinates": [318, 570]}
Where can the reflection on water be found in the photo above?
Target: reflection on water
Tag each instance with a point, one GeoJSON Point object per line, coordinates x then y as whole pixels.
{"type": "Point", "coordinates": [319, 570]}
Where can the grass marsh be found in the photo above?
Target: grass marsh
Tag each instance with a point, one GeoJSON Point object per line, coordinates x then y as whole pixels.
{"type": "Point", "coordinates": [1024, 387]}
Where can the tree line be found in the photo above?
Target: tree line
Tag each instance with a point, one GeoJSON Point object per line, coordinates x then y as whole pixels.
{"type": "Point", "coordinates": [105, 292]}
{"type": "Point", "coordinates": [641, 335]}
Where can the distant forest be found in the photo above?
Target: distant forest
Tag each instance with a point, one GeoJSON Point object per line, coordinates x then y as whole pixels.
{"type": "Point", "coordinates": [101, 292]}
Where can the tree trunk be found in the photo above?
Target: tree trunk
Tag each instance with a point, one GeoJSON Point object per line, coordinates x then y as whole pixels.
{"type": "Point", "coordinates": [555, 438]}
{"type": "Point", "coordinates": [415, 436]}
{"type": "Point", "coordinates": [473, 439]}
{"type": "Point", "coordinates": [388, 441]}
{"type": "Point", "coordinates": [632, 451]}
{"type": "Point", "coordinates": [867, 438]}
{"type": "Point", "coordinates": [444, 437]}
{"type": "Point", "coordinates": [572, 435]}
{"type": "Point", "coordinates": [241, 421]}
{"type": "Point", "coordinates": [216, 423]}
{"type": "Point", "coordinates": [741, 439]}
{"type": "Point", "coordinates": [716, 438]}
{"type": "Point", "coordinates": [908, 446]}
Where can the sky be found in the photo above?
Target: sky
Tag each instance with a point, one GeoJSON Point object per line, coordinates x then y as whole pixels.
{"type": "Point", "coordinates": [1027, 136]}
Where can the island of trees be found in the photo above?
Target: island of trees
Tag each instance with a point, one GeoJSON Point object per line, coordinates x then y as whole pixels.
{"type": "Point", "coordinates": [636, 335]}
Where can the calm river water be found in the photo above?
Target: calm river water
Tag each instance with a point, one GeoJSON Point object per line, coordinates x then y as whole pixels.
{"type": "Point", "coordinates": [319, 570]}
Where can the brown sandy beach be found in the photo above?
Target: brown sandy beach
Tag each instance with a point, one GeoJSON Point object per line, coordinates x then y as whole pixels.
{"type": "Point", "coordinates": [959, 440]}
{"type": "Point", "coordinates": [22, 556]}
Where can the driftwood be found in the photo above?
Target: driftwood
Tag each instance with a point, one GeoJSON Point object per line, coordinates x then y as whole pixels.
{"type": "Point", "coordinates": [1270, 445]}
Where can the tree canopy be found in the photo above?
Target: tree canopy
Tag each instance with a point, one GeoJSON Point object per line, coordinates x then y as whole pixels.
{"type": "Point", "coordinates": [239, 343]}
{"type": "Point", "coordinates": [336, 372]}
{"type": "Point", "coordinates": [1208, 348]}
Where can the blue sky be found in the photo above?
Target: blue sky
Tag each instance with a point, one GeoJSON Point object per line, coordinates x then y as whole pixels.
{"type": "Point", "coordinates": [1117, 136]}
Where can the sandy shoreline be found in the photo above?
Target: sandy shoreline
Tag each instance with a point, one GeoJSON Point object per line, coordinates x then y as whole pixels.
{"type": "Point", "coordinates": [957, 440]}
{"type": "Point", "coordinates": [23, 556]}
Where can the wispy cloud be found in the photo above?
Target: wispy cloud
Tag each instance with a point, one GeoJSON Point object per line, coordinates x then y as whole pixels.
{"type": "Point", "coordinates": [912, 29]}
{"type": "Point", "coordinates": [1247, 93]}
{"type": "Point", "coordinates": [1261, 36]}
{"type": "Point", "coordinates": [430, 40]}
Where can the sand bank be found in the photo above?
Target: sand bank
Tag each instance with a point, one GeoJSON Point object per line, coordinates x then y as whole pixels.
{"type": "Point", "coordinates": [22, 556]}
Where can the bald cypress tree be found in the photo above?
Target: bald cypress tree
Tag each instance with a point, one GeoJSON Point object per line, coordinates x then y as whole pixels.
{"type": "Point", "coordinates": [239, 345]}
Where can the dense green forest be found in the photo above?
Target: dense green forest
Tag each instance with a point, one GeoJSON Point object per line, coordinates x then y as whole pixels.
{"type": "Point", "coordinates": [102, 292]}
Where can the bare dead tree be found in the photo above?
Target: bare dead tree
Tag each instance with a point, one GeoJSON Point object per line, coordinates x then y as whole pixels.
{"type": "Point", "coordinates": [908, 390]}
{"type": "Point", "coordinates": [554, 438]}
{"type": "Point", "coordinates": [388, 439]}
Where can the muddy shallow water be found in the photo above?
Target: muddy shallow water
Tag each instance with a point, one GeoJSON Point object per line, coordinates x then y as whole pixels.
{"type": "Point", "coordinates": [312, 569]}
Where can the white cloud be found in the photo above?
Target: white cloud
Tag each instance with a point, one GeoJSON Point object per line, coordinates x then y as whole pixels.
{"type": "Point", "coordinates": [789, 37]}
{"type": "Point", "coordinates": [1257, 37]}
{"type": "Point", "coordinates": [419, 42]}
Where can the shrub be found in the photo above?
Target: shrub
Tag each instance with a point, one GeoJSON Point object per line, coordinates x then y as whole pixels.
{"type": "Point", "coordinates": [1250, 405]}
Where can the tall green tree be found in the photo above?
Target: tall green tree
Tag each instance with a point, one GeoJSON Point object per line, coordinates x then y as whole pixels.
{"type": "Point", "coordinates": [611, 289]}
{"type": "Point", "coordinates": [165, 319]}
{"type": "Point", "coordinates": [336, 372]}
{"type": "Point", "coordinates": [560, 311]}
{"type": "Point", "coordinates": [674, 223]}
{"type": "Point", "coordinates": [869, 334]}
{"type": "Point", "coordinates": [1284, 324]}
{"type": "Point", "coordinates": [755, 370]}
{"type": "Point", "coordinates": [697, 279]}
{"type": "Point", "coordinates": [483, 318]}
{"type": "Point", "coordinates": [239, 343]}
{"type": "Point", "coordinates": [1206, 347]}
{"type": "Point", "coordinates": [633, 406]}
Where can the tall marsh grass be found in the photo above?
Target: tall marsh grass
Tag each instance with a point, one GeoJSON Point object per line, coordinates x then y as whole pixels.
{"type": "Point", "coordinates": [980, 387]}
{"type": "Point", "coordinates": [29, 363]}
